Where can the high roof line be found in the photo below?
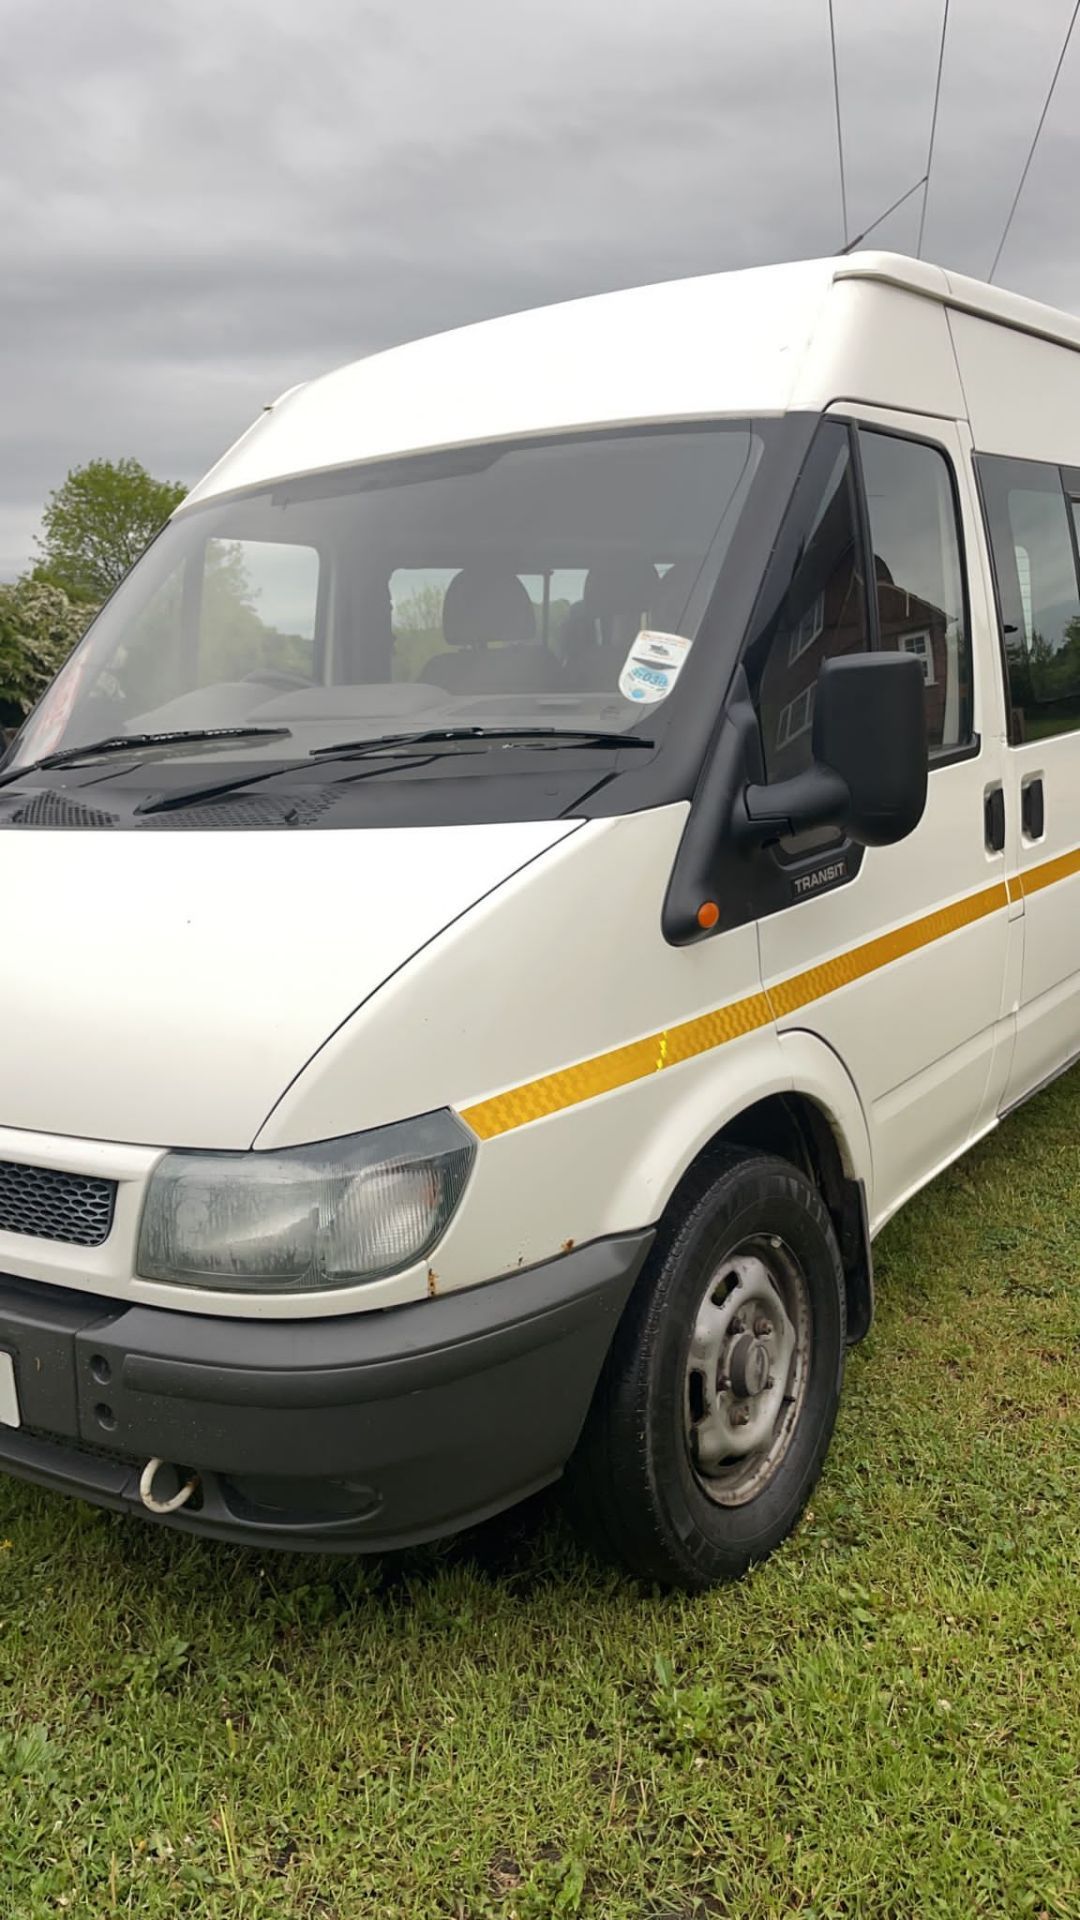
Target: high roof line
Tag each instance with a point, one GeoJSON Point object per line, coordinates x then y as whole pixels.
{"type": "Point", "coordinates": [760, 340]}
{"type": "Point", "coordinates": [968, 295]}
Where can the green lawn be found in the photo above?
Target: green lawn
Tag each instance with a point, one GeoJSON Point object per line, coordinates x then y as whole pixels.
{"type": "Point", "coordinates": [884, 1721]}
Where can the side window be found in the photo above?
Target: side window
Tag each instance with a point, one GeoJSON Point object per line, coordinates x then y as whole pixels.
{"type": "Point", "coordinates": [258, 609]}
{"type": "Point", "coordinates": [416, 596]}
{"type": "Point", "coordinates": [919, 582]}
{"type": "Point", "coordinates": [813, 607]}
{"type": "Point", "coordinates": [1032, 540]}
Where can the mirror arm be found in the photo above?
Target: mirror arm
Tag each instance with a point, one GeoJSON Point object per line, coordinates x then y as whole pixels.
{"type": "Point", "coordinates": [817, 798]}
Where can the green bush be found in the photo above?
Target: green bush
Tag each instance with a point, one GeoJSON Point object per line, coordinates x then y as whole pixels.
{"type": "Point", "coordinates": [39, 626]}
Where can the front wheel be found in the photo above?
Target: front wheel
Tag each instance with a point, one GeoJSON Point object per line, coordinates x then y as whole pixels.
{"type": "Point", "coordinates": [717, 1402]}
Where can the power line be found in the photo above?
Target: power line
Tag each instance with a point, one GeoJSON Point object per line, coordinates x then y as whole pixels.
{"type": "Point", "coordinates": [885, 215]}
{"type": "Point", "coordinates": [1035, 141]}
{"type": "Point", "coordinates": [839, 133]}
{"type": "Point", "coordinates": [933, 127]}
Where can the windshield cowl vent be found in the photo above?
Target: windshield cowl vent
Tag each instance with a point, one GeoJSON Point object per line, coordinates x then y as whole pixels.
{"type": "Point", "coordinates": [50, 809]}
{"type": "Point", "coordinates": [243, 811]}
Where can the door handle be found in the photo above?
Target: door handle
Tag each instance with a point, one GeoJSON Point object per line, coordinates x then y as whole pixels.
{"type": "Point", "coordinates": [1033, 808]}
{"type": "Point", "coordinates": [994, 820]}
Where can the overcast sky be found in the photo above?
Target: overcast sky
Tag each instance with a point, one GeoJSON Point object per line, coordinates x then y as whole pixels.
{"type": "Point", "coordinates": [203, 203]}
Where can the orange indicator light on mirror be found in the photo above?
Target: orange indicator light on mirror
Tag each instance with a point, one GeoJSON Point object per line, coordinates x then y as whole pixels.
{"type": "Point", "coordinates": [708, 914]}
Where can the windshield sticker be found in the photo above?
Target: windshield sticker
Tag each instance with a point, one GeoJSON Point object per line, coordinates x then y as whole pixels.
{"type": "Point", "coordinates": [653, 665]}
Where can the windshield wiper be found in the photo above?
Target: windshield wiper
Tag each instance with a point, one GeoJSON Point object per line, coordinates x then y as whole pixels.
{"type": "Point", "coordinates": [195, 796]}
{"type": "Point", "coordinates": [556, 736]}
{"type": "Point", "coordinates": [429, 743]}
{"type": "Point", "coordinates": [134, 742]}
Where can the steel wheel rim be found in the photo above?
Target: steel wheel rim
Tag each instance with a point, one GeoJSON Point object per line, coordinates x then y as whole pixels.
{"type": "Point", "coordinates": [747, 1366]}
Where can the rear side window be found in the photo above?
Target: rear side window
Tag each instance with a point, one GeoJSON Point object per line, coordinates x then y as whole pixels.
{"type": "Point", "coordinates": [918, 575]}
{"type": "Point", "coordinates": [1032, 538]}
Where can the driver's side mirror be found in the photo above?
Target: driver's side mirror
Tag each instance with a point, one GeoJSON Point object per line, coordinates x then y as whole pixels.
{"type": "Point", "coordinates": [869, 766]}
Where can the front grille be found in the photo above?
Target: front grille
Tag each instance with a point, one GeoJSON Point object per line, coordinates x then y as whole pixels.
{"type": "Point", "coordinates": [55, 1206]}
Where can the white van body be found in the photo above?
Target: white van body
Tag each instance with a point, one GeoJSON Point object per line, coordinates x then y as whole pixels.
{"type": "Point", "coordinates": [249, 989]}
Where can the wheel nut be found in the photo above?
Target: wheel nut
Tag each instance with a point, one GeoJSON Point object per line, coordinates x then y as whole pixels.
{"type": "Point", "coordinates": [739, 1416]}
{"type": "Point", "coordinates": [762, 1327]}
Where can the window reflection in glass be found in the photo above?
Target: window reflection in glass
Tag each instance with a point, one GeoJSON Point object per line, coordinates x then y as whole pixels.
{"type": "Point", "coordinates": [1035, 570]}
{"type": "Point", "coordinates": [920, 594]}
{"type": "Point", "coordinates": [822, 613]}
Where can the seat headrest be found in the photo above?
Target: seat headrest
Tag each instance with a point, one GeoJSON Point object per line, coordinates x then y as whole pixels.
{"type": "Point", "coordinates": [487, 605]}
{"type": "Point", "coordinates": [626, 584]}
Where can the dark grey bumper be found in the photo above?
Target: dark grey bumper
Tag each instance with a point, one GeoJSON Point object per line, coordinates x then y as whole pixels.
{"type": "Point", "coordinates": [347, 1434]}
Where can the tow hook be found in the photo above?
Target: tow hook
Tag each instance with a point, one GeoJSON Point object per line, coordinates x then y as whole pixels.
{"type": "Point", "coordinates": [146, 1490]}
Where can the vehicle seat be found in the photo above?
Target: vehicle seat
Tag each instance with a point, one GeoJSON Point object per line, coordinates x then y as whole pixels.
{"type": "Point", "coordinates": [597, 634]}
{"type": "Point", "coordinates": [490, 623]}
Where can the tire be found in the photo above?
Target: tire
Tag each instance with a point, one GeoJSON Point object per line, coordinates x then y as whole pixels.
{"type": "Point", "coordinates": [651, 1484]}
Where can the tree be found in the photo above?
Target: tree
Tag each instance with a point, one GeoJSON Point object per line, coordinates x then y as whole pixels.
{"type": "Point", "coordinates": [39, 625]}
{"type": "Point", "coordinates": [97, 524]}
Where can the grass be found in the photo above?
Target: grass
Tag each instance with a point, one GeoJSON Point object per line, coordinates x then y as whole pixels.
{"type": "Point", "coordinates": [884, 1721]}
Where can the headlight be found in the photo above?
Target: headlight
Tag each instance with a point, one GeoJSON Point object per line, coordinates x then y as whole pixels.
{"type": "Point", "coordinates": [309, 1217]}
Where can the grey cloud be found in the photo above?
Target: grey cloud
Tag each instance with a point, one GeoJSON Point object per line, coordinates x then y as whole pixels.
{"type": "Point", "coordinates": [202, 205]}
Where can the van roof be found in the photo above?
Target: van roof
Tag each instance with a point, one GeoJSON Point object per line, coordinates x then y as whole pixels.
{"type": "Point", "coordinates": [958, 290]}
{"type": "Point", "coordinates": [678, 350]}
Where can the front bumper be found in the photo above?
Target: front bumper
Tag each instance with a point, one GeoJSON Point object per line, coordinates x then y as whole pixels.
{"type": "Point", "coordinates": [351, 1434]}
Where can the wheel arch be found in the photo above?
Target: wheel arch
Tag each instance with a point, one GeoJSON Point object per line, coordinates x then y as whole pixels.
{"type": "Point", "coordinates": [813, 1117]}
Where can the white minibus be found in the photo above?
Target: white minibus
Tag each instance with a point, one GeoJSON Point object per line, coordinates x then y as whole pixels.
{"type": "Point", "coordinates": [568, 827]}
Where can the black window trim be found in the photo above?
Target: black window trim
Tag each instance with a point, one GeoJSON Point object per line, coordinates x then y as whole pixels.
{"type": "Point", "coordinates": [1070, 482]}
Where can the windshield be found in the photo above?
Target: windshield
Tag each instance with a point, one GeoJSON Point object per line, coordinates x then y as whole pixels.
{"type": "Point", "coordinates": [555, 585]}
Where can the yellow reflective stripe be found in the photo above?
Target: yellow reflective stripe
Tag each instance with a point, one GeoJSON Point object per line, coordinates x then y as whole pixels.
{"type": "Point", "coordinates": [1033, 879]}
{"type": "Point", "coordinates": [605, 1072]}
{"type": "Point", "coordinates": [788, 995]}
